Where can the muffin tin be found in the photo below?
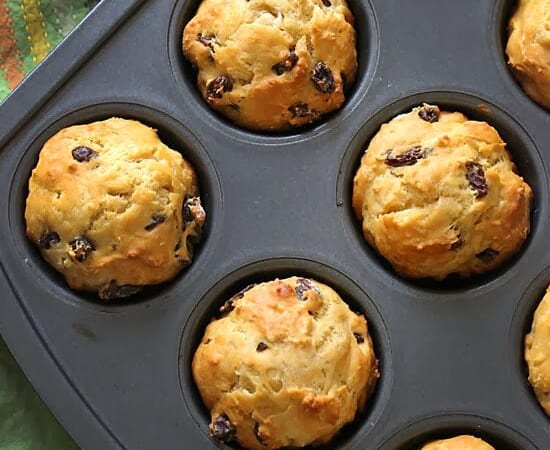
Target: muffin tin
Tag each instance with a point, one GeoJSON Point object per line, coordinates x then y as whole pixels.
{"type": "Point", "coordinates": [451, 358]}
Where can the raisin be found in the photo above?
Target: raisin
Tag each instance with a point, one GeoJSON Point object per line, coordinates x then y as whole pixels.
{"type": "Point", "coordinates": [408, 158]}
{"type": "Point", "coordinates": [241, 293]}
{"type": "Point", "coordinates": [114, 291]}
{"type": "Point", "coordinates": [429, 113]}
{"type": "Point", "coordinates": [287, 64]}
{"type": "Point", "coordinates": [155, 220]}
{"type": "Point", "coordinates": [48, 239]}
{"type": "Point", "coordinates": [257, 434]}
{"type": "Point", "coordinates": [476, 177]}
{"type": "Point", "coordinates": [81, 248]}
{"type": "Point", "coordinates": [222, 429]}
{"type": "Point", "coordinates": [226, 308]}
{"type": "Point", "coordinates": [302, 285]}
{"type": "Point", "coordinates": [83, 154]}
{"type": "Point", "coordinates": [261, 347]}
{"type": "Point", "coordinates": [208, 40]}
{"type": "Point", "coordinates": [193, 210]}
{"type": "Point", "coordinates": [327, 3]}
{"type": "Point", "coordinates": [487, 255]}
{"type": "Point", "coordinates": [323, 79]}
{"type": "Point", "coordinates": [187, 214]}
{"type": "Point", "coordinates": [459, 242]}
{"type": "Point", "coordinates": [299, 110]}
{"type": "Point", "coordinates": [217, 87]}
{"type": "Point", "coordinates": [360, 339]}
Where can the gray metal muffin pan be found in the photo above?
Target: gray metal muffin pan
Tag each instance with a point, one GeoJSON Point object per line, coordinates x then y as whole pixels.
{"type": "Point", "coordinates": [118, 376]}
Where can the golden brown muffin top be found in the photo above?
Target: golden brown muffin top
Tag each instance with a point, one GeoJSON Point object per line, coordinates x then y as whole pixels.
{"type": "Point", "coordinates": [288, 364]}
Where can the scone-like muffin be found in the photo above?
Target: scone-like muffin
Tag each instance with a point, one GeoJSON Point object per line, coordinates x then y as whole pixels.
{"type": "Point", "coordinates": [528, 48]}
{"type": "Point", "coordinates": [272, 64]}
{"type": "Point", "coordinates": [464, 442]}
{"type": "Point", "coordinates": [112, 208]}
{"type": "Point", "coordinates": [537, 352]}
{"type": "Point", "coordinates": [286, 365]}
{"type": "Point", "coordinates": [438, 194]}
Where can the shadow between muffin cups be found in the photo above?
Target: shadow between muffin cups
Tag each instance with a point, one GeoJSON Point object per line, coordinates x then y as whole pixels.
{"type": "Point", "coordinates": [267, 270]}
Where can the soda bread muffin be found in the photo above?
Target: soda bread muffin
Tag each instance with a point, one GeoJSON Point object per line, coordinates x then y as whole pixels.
{"type": "Point", "coordinates": [464, 442]}
{"type": "Point", "coordinates": [438, 194]}
{"type": "Point", "coordinates": [112, 208]}
{"type": "Point", "coordinates": [528, 48]}
{"type": "Point", "coordinates": [271, 64]}
{"type": "Point", "coordinates": [286, 364]}
{"type": "Point", "coordinates": [537, 352]}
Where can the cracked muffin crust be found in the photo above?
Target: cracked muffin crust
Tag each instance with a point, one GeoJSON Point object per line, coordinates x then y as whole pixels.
{"type": "Point", "coordinates": [285, 364]}
{"type": "Point", "coordinates": [537, 352]}
{"type": "Point", "coordinates": [464, 442]}
{"type": "Point", "coordinates": [272, 65]}
{"type": "Point", "coordinates": [438, 194]}
{"type": "Point", "coordinates": [112, 208]}
{"type": "Point", "coordinates": [528, 48]}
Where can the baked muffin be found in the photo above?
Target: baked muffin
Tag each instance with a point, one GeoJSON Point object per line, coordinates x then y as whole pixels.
{"type": "Point", "coordinates": [438, 194]}
{"type": "Point", "coordinates": [272, 64]}
{"type": "Point", "coordinates": [537, 352]}
{"type": "Point", "coordinates": [464, 442]}
{"type": "Point", "coordinates": [112, 208]}
{"type": "Point", "coordinates": [286, 364]}
{"type": "Point", "coordinates": [528, 48]}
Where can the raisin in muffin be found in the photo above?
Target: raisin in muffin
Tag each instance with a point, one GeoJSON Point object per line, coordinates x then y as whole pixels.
{"type": "Point", "coordinates": [464, 442]}
{"type": "Point", "coordinates": [537, 352]}
{"type": "Point", "coordinates": [271, 64]}
{"type": "Point", "coordinates": [528, 48]}
{"type": "Point", "coordinates": [286, 364]}
{"type": "Point", "coordinates": [438, 194]}
{"type": "Point", "coordinates": [112, 208]}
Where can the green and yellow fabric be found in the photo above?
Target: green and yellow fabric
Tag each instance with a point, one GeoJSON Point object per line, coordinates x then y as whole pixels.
{"type": "Point", "coordinates": [29, 30]}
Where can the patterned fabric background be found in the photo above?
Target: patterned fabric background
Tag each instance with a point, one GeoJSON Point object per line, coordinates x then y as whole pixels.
{"type": "Point", "coordinates": [29, 30]}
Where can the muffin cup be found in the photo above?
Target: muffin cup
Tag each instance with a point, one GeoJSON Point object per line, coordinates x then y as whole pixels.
{"type": "Point", "coordinates": [523, 151]}
{"type": "Point", "coordinates": [416, 434]}
{"type": "Point", "coordinates": [172, 133]}
{"type": "Point", "coordinates": [267, 270]}
{"type": "Point", "coordinates": [186, 77]}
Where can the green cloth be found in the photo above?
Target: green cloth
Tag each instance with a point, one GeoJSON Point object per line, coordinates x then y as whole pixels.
{"type": "Point", "coordinates": [29, 29]}
{"type": "Point", "coordinates": [25, 422]}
